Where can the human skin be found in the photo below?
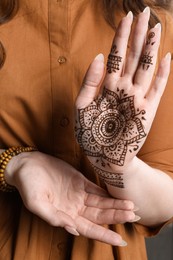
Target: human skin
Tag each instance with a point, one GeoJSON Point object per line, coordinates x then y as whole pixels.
{"type": "Point", "coordinates": [112, 126]}
{"type": "Point", "coordinates": [47, 187]}
{"type": "Point", "coordinates": [45, 182]}
{"type": "Point", "coordinates": [59, 194]}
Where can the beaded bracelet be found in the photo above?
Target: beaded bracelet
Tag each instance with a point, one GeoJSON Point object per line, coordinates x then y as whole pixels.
{"type": "Point", "coordinates": [5, 157]}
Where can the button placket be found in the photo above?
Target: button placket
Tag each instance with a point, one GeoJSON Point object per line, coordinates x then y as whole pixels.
{"type": "Point", "coordinates": [61, 75]}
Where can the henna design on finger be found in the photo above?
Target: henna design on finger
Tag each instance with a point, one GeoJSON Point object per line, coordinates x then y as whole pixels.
{"type": "Point", "coordinates": [114, 60]}
{"type": "Point", "coordinates": [109, 128]}
{"type": "Point", "coordinates": [146, 60]}
{"type": "Point", "coordinates": [113, 179]}
{"type": "Point", "coordinates": [149, 39]}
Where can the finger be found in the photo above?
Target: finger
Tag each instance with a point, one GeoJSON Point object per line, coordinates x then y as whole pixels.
{"type": "Point", "coordinates": [118, 51]}
{"type": "Point", "coordinates": [51, 214]}
{"type": "Point", "coordinates": [137, 43]}
{"type": "Point", "coordinates": [145, 71]}
{"type": "Point", "coordinates": [93, 188]}
{"type": "Point", "coordinates": [108, 216]}
{"type": "Point", "coordinates": [96, 201]}
{"type": "Point", "coordinates": [98, 197]}
{"type": "Point", "coordinates": [160, 81]}
{"type": "Point", "coordinates": [91, 82]}
{"type": "Point", "coordinates": [94, 231]}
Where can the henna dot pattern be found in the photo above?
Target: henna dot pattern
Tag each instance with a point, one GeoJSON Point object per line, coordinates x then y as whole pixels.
{"type": "Point", "coordinates": [113, 179]}
{"type": "Point", "coordinates": [110, 127]}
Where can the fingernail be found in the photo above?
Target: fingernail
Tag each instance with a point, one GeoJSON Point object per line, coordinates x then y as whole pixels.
{"type": "Point", "coordinates": [146, 10]}
{"type": "Point", "coordinates": [72, 230]}
{"type": "Point", "coordinates": [135, 219]}
{"type": "Point", "coordinates": [130, 15]}
{"type": "Point", "coordinates": [168, 56]}
{"type": "Point", "coordinates": [158, 25]}
{"type": "Point", "coordinates": [123, 243]}
{"type": "Point", "coordinates": [135, 208]}
{"type": "Point", "coordinates": [100, 57]}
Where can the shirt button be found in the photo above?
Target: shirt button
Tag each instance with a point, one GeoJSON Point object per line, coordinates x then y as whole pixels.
{"type": "Point", "coordinates": [62, 59]}
{"type": "Point", "coordinates": [61, 247]}
{"type": "Point", "coordinates": [64, 122]}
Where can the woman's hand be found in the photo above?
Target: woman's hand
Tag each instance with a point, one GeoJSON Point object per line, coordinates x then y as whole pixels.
{"type": "Point", "coordinates": [114, 119]}
{"type": "Point", "coordinates": [62, 196]}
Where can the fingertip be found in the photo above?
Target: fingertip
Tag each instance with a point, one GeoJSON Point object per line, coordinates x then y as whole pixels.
{"type": "Point", "coordinates": [146, 10]}
{"type": "Point", "coordinates": [164, 66]}
{"type": "Point", "coordinates": [168, 57]}
{"type": "Point", "coordinates": [158, 26]}
{"type": "Point", "coordinates": [132, 206]}
{"type": "Point", "coordinates": [135, 208]}
{"type": "Point", "coordinates": [130, 15]}
{"type": "Point", "coordinates": [129, 205]}
{"type": "Point", "coordinates": [71, 230]}
{"type": "Point", "coordinates": [100, 57]}
{"type": "Point", "coordinates": [136, 218]}
{"type": "Point", "coordinates": [123, 243]}
{"type": "Point", "coordinates": [119, 241]}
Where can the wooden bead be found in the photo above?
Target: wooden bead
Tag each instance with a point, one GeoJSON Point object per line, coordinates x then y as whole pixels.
{"type": "Point", "coordinates": [5, 157]}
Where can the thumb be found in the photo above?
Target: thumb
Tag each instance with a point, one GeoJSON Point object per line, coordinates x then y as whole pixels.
{"type": "Point", "coordinates": [91, 82]}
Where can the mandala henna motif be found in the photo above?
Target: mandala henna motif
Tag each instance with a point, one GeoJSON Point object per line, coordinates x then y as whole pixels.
{"type": "Point", "coordinates": [110, 127]}
{"type": "Point", "coordinates": [114, 60]}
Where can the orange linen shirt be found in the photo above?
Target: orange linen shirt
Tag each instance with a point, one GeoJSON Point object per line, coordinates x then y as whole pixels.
{"type": "Point", "coordinates": [49, 45]}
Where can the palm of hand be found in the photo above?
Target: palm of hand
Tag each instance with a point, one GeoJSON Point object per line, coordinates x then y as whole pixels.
{"type": "Point", "coordinates": [62, 196]}
{"type": "Point", "coordinates": [111, 127]}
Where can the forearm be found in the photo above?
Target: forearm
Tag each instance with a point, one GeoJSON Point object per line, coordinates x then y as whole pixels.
{"type": "Point", "coordinates": [150, 189]}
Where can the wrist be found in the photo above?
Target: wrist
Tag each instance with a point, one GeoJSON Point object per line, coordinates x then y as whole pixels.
{"type": "Point", "coordinates": [12, 168]}
{"type": "Point", "coordinates": [9, 164]}
{"type": "Point", "coordinates": [116, 175]}
{"type": "Point", "coordinates": [131, 167]}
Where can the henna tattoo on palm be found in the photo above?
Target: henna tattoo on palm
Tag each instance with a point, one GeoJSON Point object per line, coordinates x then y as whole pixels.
{"type": "Point", "coordinates": [114, 60]}
{"type": "Point", "coordinates": [109, 128]}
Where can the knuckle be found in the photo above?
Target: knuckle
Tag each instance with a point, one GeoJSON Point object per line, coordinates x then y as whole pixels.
{"type": "Point", "coordinates": [90, 83]}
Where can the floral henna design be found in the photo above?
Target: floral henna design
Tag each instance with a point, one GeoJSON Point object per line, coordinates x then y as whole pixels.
{"type": "Point", "coordinates": [114, 61]}
{"type": "Point", "coordinates": [150, 38]}
{"type": "Point", "coordinates": [109, 128]}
